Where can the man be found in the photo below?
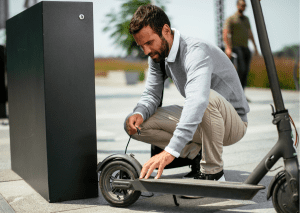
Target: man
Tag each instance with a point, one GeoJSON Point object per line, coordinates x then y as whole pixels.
{"type": "Point", "coordinates": [215, 109]}
{"type": "Point", "coordinates": [236, 33]}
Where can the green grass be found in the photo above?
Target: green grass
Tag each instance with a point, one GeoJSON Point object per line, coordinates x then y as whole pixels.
{"type": "Point", "coordinates": [257, 75]}
{"type": "Point", "coordinates": [103, 65]}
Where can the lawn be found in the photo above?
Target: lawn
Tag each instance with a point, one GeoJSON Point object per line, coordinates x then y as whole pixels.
{"type": "Point", "coordinates": [257, 76]}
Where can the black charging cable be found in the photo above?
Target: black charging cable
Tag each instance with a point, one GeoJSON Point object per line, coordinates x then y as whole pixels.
{"type": "Point", "coordinates": [127, 144]}
{"type": "Point", "coordinates": [139, 133]}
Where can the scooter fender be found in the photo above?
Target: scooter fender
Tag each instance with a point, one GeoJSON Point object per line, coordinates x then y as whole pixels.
{"type": "Point", "coordinates": [129, 159]}
{"type": "Point", "coordinates": [273, 182]}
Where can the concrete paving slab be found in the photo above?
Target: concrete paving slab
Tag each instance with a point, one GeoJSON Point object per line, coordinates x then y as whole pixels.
{"type": "Point", "coordinates": [238, 174]}
{"type": "Point", "coordinates": [4, 206]}
{"type": "Point", "coordinates": [5, 162]}
{"type": "Point", "coordinates": [8, 175]}
{"type": "Point", "coordinates": [113, 103]}
{"type": "Point", "coordinates": [165, 204]}
{"type": "Point", "coordinates": [23, 198]}
{"type": "Point", "coordinates": [266, 207]}
{"type": "Point", "coordinates": [239, 159]}
{"type": "Point", "coordinates": [162, 203]}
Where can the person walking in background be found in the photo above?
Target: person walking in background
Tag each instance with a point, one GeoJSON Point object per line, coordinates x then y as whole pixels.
{"type": "Point", "coordinates": [236, 32]}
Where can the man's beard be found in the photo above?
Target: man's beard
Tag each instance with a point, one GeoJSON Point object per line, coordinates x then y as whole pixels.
{"type": "Point", "coordinates": [241, 11]}
{"type": "Point", "coordinates": [164, 50]}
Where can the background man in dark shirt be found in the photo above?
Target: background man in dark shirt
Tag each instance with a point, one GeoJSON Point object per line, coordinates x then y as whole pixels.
{"type": "Point", "coordinates": [236, 33]}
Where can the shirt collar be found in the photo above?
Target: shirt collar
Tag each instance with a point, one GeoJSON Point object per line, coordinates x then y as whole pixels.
{"type": "Point", "coordinates": [175, 46]}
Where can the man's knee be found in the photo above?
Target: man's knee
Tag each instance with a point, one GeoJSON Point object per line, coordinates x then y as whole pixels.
{"type": "Point", "coordinates": [214, 99]}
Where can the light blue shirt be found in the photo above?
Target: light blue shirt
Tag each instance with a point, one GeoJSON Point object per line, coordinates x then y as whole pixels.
{"type": "Point", "coordinates": [195, 66]}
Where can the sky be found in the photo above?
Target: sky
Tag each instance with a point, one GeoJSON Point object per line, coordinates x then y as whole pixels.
{"type": "Point", "coordinates": [196, 18]}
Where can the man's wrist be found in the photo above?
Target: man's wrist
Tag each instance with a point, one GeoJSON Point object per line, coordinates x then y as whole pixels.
{"type": "Point", "coordinates": [139, 114]}
{"type": "Point", "coordinates": [172, 152]}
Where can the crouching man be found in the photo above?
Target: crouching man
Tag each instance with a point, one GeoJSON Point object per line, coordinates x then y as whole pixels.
{"type": "Point", "coordinates": [215, 108]}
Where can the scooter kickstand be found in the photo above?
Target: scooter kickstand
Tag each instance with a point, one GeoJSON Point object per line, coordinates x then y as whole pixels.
{"type": "Point", "coordinates": [175, 200]}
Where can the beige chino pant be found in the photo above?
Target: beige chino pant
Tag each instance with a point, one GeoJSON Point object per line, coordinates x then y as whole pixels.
{"type": "Point", "coordinates": [220, 126]}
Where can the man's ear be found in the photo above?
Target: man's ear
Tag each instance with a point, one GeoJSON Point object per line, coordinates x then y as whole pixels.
{"type": "Point", "coordinates": [166, 30]}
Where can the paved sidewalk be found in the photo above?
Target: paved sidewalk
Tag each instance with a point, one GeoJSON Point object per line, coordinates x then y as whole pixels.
{"type": "Point", "coordinates": [240, 159]}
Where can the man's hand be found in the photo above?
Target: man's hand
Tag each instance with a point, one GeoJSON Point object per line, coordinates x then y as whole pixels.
{"type": "Point", "coordinates": [228, 52]}
{"type": "Point", "coordinates": [133, 122]}
{"type": "Point", "coordinates": [159, 161]}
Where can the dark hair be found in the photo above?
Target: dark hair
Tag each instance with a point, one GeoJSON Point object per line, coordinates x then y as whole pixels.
{"type": "Point", "coordinates": [238, 1]}
{"type": "Point", "coordinates": [149, 15]}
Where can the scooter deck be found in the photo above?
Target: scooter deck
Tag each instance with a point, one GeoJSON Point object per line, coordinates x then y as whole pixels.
{"type": "Point", "coordinates": [192, 187]}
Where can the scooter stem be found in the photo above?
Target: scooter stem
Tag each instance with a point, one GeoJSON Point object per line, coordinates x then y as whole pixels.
{"type": "Point", "coordinates": [267, 54]}
{"type": "Point", "coordinates": [284, 147]}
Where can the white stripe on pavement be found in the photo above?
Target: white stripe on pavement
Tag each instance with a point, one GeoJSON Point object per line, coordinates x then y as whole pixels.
{"type": "Point", "coordinates": [230, 203]}
{"type": "Point", "coordinates": [266, 128]}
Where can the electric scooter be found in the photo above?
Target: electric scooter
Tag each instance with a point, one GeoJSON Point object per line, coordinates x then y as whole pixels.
{"type": "Point", "coordinates": [119, 178]}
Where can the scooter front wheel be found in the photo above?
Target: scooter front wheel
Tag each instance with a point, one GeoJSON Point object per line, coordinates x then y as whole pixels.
{"type": "Point", "coordinates": [118, 170]}
{"type": "Point", "coordinates": [281, 198]}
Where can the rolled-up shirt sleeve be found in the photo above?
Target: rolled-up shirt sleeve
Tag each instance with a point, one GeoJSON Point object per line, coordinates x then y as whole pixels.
{"type": "Point", "coordinates": [151, 97]}
{"type": "Point", "coordinates": [199, 68]}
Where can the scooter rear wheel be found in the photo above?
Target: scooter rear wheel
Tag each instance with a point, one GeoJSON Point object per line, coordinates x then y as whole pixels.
{"type": "Point", "coordinates": [281, 198]}
{"type": "Point", "coordinates": [118, 197]}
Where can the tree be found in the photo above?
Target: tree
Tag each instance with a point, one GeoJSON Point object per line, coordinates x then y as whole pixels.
{"type": "Point", "coordinates": [118, 24]}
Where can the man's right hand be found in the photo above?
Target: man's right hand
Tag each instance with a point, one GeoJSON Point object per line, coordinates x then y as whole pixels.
{"type": "Point", "coordinates": [133, 122]}
{"type": "Point", "coordinates": [228, 52]}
